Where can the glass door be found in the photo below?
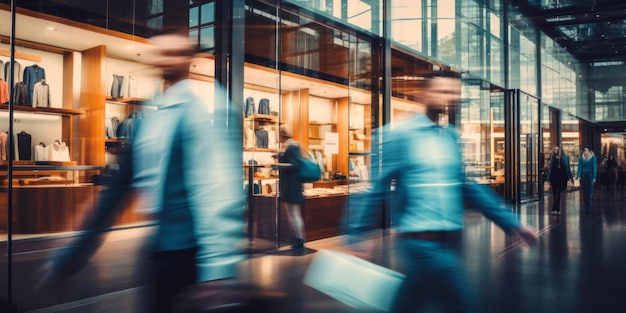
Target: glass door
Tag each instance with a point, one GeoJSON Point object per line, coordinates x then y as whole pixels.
{"type": "Point", "coordinates": [522, 146]}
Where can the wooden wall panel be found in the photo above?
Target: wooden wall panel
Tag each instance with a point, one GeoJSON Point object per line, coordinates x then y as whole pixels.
{"type": "Point", "coordinates": [92, 101]}
{"type": "Point", "coordinates": [343, 128]}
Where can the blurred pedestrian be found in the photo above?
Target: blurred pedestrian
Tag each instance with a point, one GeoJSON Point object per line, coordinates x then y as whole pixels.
{"type": "Point", "coordinates": [290, 186]}
{"type": "Point", "coordinates": [587, 173]}
{"type": "Point", "coordinates": [559, 173]}
{"type": "Point", "coordinates": [185, 173]}
{"type": "Point", "coordinates": [423, 163]}
{"type": "Point", "coordinates": [613, 170]}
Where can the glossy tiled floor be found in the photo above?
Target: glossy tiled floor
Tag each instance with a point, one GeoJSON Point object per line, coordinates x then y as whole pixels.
{"type": "Point", "coordinates": [579, 265]}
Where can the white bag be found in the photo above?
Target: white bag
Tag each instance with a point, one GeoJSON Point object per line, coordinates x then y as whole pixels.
{"type": "Point", "coordinates": [353, 281]}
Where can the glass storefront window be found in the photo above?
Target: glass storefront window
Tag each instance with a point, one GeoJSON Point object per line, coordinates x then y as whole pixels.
{"type": "Point", "coordinates": [366, 15]}
{"type": "Point", "coordinates": [407, 14]}
{"type": "Point", "coordinates": [321, 90]}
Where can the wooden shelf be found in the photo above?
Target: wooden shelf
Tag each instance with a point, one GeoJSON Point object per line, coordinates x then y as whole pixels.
{"type": "Point", "coordinates": [115, 140]}
{"type": "Point", "coordinates": [129, 100]}
{"type": "Point", "coordinates": [261, 150]}
{"type": "Point", "coordinates": [262, 117]}
{"type": "Point", "coordinates": [359, 153]}
{"type": "Point", "coordinates": [36, 110]}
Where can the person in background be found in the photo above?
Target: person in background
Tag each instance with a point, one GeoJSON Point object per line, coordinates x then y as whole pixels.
{"type": "Point", "coordinates": [184, 172]}
{"type": "Point", "coordinates": [290, 186]}
{"type": "Point", "coordinates": [587, 173]}
{"type": "Point", "coordinates": [612, 169]}
{"type": "Point", "coordinates": [422, 161]}
{"type": "Point", "coordinates": [559, 174]}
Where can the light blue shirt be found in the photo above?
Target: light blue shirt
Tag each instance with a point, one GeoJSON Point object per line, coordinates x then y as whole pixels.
{"type": "Point", "coordinates": [423, 161]}
{"type": "Point", "coordinates": [191, 173]}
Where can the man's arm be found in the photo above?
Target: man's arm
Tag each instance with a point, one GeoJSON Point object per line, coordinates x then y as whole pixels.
{"type": "Point", "coordinates": [491, 205]}
{"type": "Point", "coordinates": [111, 202]}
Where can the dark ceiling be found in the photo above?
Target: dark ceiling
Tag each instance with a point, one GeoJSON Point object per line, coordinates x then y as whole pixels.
{"type": "Point", "coordinates": [591, 30]}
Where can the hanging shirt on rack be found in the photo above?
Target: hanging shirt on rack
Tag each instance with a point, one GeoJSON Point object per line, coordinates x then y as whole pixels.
{"type": "Point", "coordinates": [20, 94]}
{"type": "Point", "coordinates": [264, 106]}
{"type": "Point", "coordinates": [116, 85]}
{"type": "Point", "coordinates": [32, 75]}
{"type": "Point", "coordinates": [4, 92]}
{"type": "Point", "coordinates": [17, 72]}
{"type": "Point", "coordinates": [248, 137]}
{"type": "Point", "coordinates": [261, 138]}
{"type": "Point", "coordinates": [4, 138]}
{"type": "Point", "coordinates": [248, 108]}
{"type": "Point", "coordinates": [41, 95]}
{"type": "Point", "coordinates": [41, 152]}
{"type": "Point", "coordinates": [24, 146]}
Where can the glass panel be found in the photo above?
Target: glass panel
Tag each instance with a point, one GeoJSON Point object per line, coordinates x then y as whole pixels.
{"type": "Point", "coordinates": [570, 136]}
{"type": "Point", "coordinates": [477, 132]}
{"type": "Point", "coordinates": [363, 14]}
{"type": "Point", "coordinates": [262, 118]}
{"type": "Point", "coordinates": [207, 41]}
{"type": "Point", "coordinates": [548, 142]}
{"type": "Point", "coordinates": [529, 146]}
{"type": "Point", "coordinates": [207, 13]}
{"type": "Point", "coordinates": [407, 14]}
{"type": "Point", "coordinates": [322, 94]}
{"type": "Point", "coordinates": [497, 156]}
{"type": "Point", "coordinates": [194, 17]}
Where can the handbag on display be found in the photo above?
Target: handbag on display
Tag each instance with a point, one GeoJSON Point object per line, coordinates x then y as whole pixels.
{"type": "Point", "coordinates": [309, 171]}
{"type": "Point", "coordinates": [356, 282]}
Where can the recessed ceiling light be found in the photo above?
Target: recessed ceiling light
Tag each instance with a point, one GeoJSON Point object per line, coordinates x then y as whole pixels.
{"type": "Point", "coordinates": [51, 28]}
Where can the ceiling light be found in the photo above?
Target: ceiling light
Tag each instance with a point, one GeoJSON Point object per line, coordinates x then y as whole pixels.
{"type": "Point", "coordinates": [51, 28]}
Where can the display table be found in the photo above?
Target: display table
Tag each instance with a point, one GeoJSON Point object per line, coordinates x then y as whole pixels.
{"type": "Point", "coordinates": [322, 218]}
{"type": "Point", "coordinates": [41, 206]}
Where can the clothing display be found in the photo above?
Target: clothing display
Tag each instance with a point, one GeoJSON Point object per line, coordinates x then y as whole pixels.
{"type": "Point", "coordinates": [125, 129]}
{"type": "Point", "coordinates": [248, 108]}
{"type": "Point", "coordinates": [123, 86]}
{"type": "Point", "coordinates": [4, 138]}
{"type": "Point", "coordinates": [111, 124]}
{"type": "Point", "coordinates": [32, 75]}
{"type": "Point", "coordinates": [248, 138]}
{"type": "Point", "coordinates": [20, 94]}
{"type": "Point", "coordinates": [41, 152]}
{"type": "Point", "coordinates": [272, 138]}
{"type": "Point", "coordinates": [17, 72]}
{"type": "Point", "coordinates": [4, 92]}
{"type": "Point", "coordinates": [264, 106]}
{"type": "Point", "coordinates": [41, 94]}
{"type": "Point", "coordinates": [24, 149]}
{"type": "Point", "coordinates": [262, 138]}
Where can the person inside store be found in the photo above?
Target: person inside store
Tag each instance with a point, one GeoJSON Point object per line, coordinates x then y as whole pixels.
{"type": "Point", "coordinates": [183, 172]}
{"type": "Point", "coordinates": [559, 173]}
{"type": "Point", "coordinates": [422, 180]}
{"type": "Point", "coordinates": [290, 185]}
{"type": "Point", "coordinates": [587, 173]}
{"type": "Point", "coordinates": [613, 170]}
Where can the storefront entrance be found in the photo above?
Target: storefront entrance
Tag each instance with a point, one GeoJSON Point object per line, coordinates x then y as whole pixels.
{"type": "Point", "coordinates": [522, 146]}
